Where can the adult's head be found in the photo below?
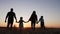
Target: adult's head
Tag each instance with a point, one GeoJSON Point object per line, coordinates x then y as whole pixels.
{"type": "Point", "coordinates": [34, 12]}
{"type": "Point", "coordinates": [11, 9]}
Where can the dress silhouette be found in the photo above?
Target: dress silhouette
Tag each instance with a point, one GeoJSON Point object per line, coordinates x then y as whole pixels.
{"type": "Point", "coordinates": [21, 23]}
{"type": "Point", "coordinates": [42, 22]}
{"type": "Point", "coordinates": [33, 20]}
{"type": "Point", "coordinates": [10, 15]}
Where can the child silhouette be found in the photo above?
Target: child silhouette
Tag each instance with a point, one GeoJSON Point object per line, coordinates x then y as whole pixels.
{"type": "Point", "coordinates": [21, 23]}
{"type": "Point", "coordinates": [41, 20]}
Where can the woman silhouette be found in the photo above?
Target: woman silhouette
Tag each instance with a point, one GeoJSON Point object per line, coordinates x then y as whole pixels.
{"type": "Point", "coordinates": [33, 20]}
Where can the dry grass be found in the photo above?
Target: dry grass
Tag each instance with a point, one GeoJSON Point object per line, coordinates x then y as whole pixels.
{"type": "Point", "coordinates": [30, 31]}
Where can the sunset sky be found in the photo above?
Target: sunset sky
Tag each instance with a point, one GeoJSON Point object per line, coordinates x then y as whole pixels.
{"type": "Point", "coordinates": [50, 9]}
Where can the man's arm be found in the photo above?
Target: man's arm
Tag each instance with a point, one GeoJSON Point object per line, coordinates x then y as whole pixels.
{"type": "Point", "coordinates": [36, 18]}
{"type": "Point", "coordinates": [40, 19]}
{"type": "Point", "coordinates": [6, 17]}
{"type": "Point", "coordinates": [15, 17]}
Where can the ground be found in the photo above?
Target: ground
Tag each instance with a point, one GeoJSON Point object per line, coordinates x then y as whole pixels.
{"type": "Point", "coordinates": [4, 30]}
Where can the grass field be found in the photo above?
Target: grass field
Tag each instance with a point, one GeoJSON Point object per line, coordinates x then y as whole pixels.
{"type": "Point", "coordinates": [4, 30]}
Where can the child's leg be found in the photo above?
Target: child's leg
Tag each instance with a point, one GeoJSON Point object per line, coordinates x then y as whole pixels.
{"type": "Point", "coordinates": [34, 26]}
{"type": "Point", "coordinates": [41, 25]}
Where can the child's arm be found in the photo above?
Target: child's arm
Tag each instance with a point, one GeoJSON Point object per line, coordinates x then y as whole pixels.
{"type": "Point", "coordinates": [18, 21]}
{"type": "Point", "coordinates": [24, 22]}
{"type": "Point", "coordinates": [39, 19]}
{"type": "Point", "coordinates": [37, 22]}
{"type": "Point", "coordinates": [28, 21]}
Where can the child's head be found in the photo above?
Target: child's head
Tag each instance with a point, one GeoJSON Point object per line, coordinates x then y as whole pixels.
{"type": "Point", "coordinates": [21, 18]}
{"type": "Point", "coordinates": [41, 16]}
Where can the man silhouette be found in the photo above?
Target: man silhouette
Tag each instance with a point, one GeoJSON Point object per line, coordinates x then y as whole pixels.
{"type": "Point", "coordinates": [33, 20]}
{"type": "Point", "coordinates": [10, 15]}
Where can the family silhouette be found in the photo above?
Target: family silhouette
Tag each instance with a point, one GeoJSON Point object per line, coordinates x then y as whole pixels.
{"type": "Point", "coordinates": [33, 18]}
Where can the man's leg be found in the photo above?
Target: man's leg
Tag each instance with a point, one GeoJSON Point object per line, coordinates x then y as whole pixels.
{"type": "Point", "coordinates": [11, 25]}
{"type": "Point", "coordinates": [34, 26]}
{"type": "Point", "coordinates": [8, 25]}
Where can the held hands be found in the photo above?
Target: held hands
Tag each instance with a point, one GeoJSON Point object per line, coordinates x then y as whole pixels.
{"type": "Point", "coordinates": [5, 21]}
{"type": "Point", "coordinates": [27, 21]}
{"type": "Point", "coordinates": [37, 22]}
{"type": "Point", "coordinates": [16, 20]}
